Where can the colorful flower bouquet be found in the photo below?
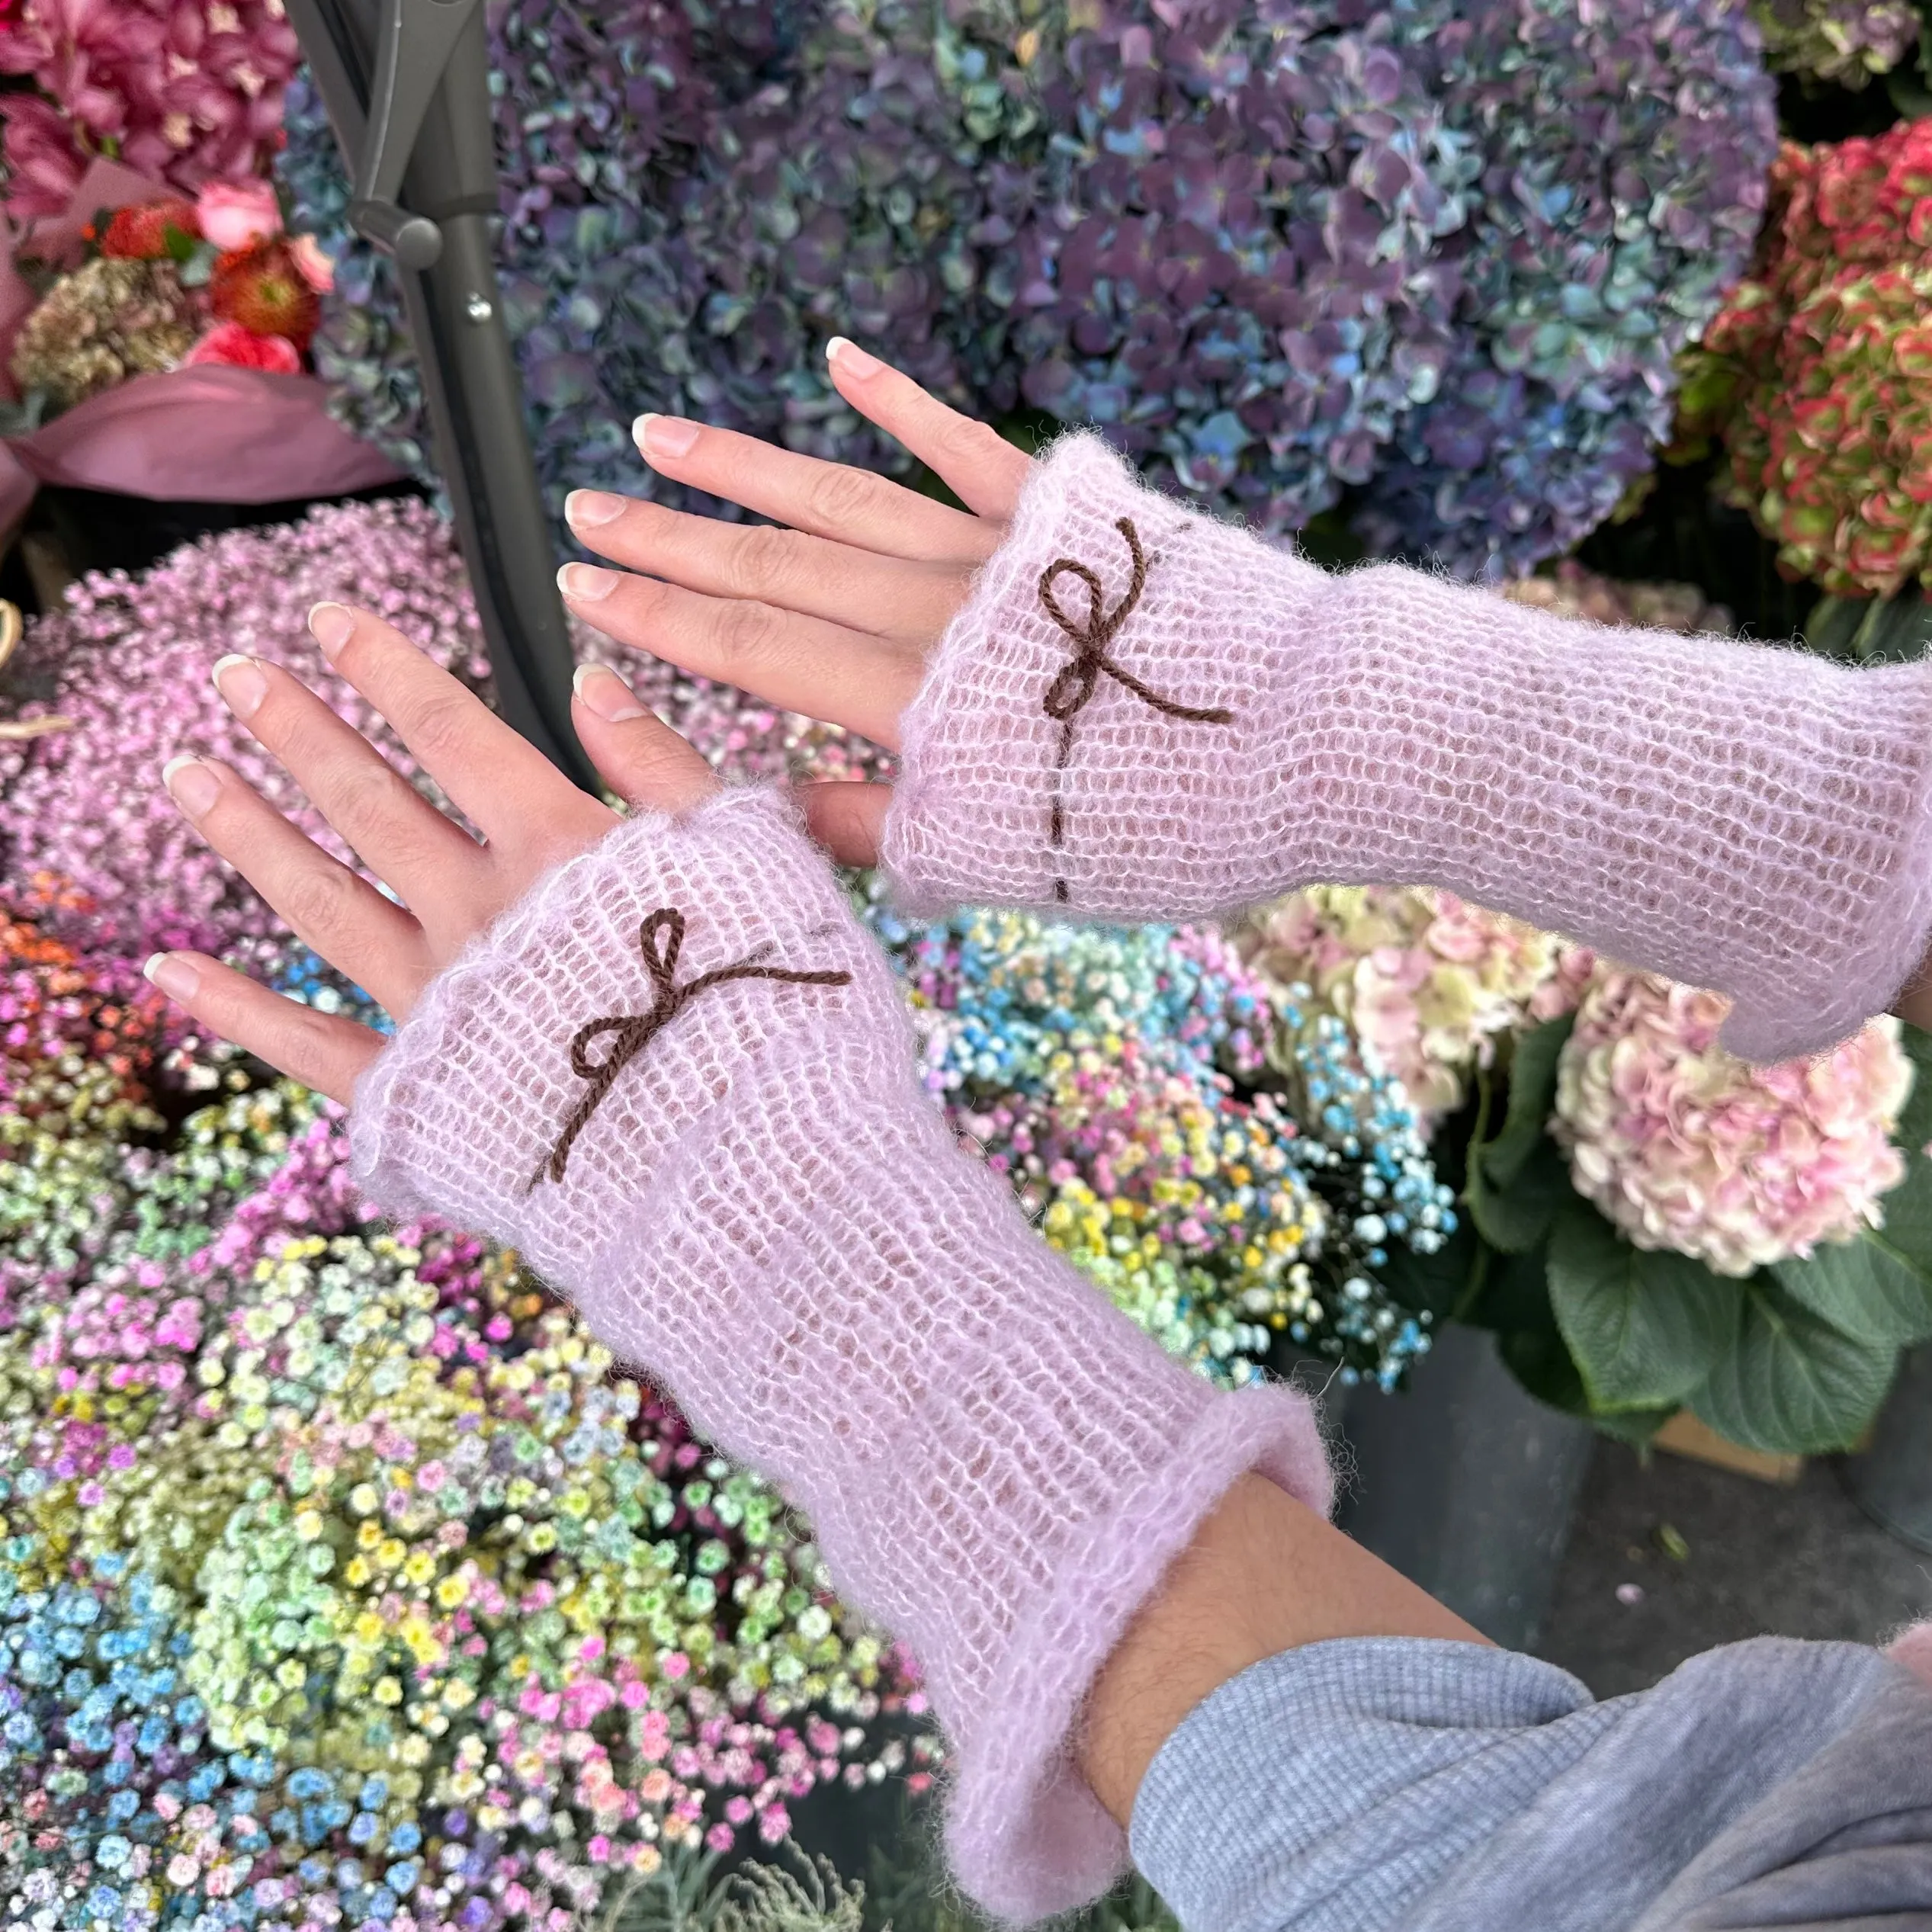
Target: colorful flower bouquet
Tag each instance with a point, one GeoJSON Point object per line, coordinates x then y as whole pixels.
{"type": "Point", "coordinates": [159, 348]}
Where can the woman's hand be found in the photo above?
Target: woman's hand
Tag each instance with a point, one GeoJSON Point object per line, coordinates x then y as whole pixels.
{"type": "Point", "coordinates": [833, 613]}
{"type": "Point", "coordinates": [451, 887]}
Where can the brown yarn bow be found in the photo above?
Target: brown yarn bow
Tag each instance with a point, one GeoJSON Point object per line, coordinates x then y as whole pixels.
{"type": "Point", "coordinates": [661, 939]}
{"type": "Point", "coordinates": [1070, 692]}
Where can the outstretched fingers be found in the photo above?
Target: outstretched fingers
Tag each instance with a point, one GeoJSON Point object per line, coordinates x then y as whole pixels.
{"type": "Point", "coordinates": [322, 1050]}
{"type": "Point", "coordinates": [825, 499]}
{"type": "Point", "coordinates": [973, 460]}
{"type": "Point", "coordinates": [328, 907]}
{"type": "Point", "coordinates": [798, 663]}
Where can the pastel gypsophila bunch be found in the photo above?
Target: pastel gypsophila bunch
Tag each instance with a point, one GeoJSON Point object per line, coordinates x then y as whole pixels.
{"type": "Point", "coordinates": [398, 1507]}
{"type": "Point", "coordinates": [183, 94]}
{"type": "Point", "coordinates": [1682, 1147]}
{"type": "Point", "coordinates": [1099, 1069]}
{"type": "Point", "coordinates": [128, 660]}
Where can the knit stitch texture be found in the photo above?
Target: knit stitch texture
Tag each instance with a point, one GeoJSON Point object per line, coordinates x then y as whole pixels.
{"type": "Point", "coordinates": [1750, 819]}
{"type": "Point", "coordinates": [764, 1212]}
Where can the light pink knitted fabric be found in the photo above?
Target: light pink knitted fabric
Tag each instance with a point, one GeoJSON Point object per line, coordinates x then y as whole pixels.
{"type": "Point", "coordinates": [1757, 821]}
{"type": "Point", "coordinates": [1914, 1649]}
{"type": "Point", "coordinates": [767, 1214]}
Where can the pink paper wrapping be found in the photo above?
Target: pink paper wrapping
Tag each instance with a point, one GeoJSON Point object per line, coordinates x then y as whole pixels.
{"type": "Point", "coordinates": [210, 434]}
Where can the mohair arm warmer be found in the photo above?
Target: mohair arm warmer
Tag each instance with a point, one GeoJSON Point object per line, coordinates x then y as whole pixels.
{"type": "Point", "coordinates": [1144, 713]}
{"type": "Point", "coordinates": [679, 1078]}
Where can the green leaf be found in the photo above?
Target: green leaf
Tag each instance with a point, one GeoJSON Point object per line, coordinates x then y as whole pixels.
{"type": "Point", "coordinates": [179, 243]}
{"type": "Point", "coordinates": [1542, 1365]}
{"type": "Point", "coordinates": [1519, 1218]}
{"type": "Point", "coordinates": [1914, 1127]}
{"type": "Point", "coordinates": [1510, 1293]}
{"type": "Point", "coordinates": [1532, 1094]}
{"type": "Point", "coordinates": [1877, 1289]}
{"type": "Point", "coordinates": [1645, 1327]}
{"type": "Point", "coordinates": [1834, 624]}
{"type": "Point", "coordinates": [1788, 1383]}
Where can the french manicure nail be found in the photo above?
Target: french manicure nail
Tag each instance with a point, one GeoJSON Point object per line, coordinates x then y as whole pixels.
{"type": "Point", "coordinates": [176, 977]}
{"type": "Point", "coordinates": [588, 508]}
{"type": "Point", "coordinates": [190, 784]}
{"type": "Point", "coordinates": [330, 625]}
{"type": "Point", "coordinates": [584, 583]}
{"type": "Point", "coordinates": [669, 436]}
{"type": "Point", "coordinates": [241, 686]}
{"type": "Point", "coordinates": [605, 693]}
{"type": "Point", "coordinates": [851, 358]}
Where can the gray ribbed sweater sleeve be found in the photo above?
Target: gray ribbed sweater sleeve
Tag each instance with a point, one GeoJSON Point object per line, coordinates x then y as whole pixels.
{"type": "Point", "coordinates": [1399, 1785]}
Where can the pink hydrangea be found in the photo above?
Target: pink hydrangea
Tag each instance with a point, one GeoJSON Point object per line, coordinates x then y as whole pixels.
{"type": "Point", "coordinates": [1427, 981]}
{"type": "Point", "coordinates": [1685, 1148]}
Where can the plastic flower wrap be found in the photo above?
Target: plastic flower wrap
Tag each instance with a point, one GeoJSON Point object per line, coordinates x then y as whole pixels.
{"type": "Point", "coordinates": [1109, 1074]}
{"type": "Point", "coordinates": [1843, 41]}
{"type": "Point", "coordinates": [1682, 1147]}
{"type": "Point", "coordinates": [1428, 982]}
{"type": "Point", "coordinates": [1816, 376]}
{"type": "Point", "coordinates": [1624, 154]}
{"type": "Point", "coordinates": [183, 93]}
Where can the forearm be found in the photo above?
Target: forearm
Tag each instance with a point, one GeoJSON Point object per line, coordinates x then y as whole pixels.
{"type": "Point", "coordinates": [1212, 723]}
{"type": "Point", "coordinates": [1265, 1575]}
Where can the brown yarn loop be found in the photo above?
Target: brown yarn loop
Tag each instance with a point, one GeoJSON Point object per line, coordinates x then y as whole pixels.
{"type": "Point", "coordinates": [1073, 690]}
{"type": "Point", "coordinates": [661, 939]}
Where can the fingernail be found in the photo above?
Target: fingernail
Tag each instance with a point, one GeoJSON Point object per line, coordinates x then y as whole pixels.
{"type": "Point", "coordinates": [584, 583]}
{"type": "Point", "coordinates": [587, 509]}
{"type": "Point", "coordinates": [190, 784]}
{"type": "Point", "coordinates": [605, 693]}
{"type": "Point", "coordinates": [852, 358]}
{"type": "Point", "coordinates": [330, 625]}
{"type": "Point", "coordinates": [241, 686]}
{"type": "Point", "coordinates": [670, 436]}
{"type": "Point", "coordinates": [176, 976]}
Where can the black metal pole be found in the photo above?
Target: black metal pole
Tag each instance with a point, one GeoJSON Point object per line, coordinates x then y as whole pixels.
{"type": "Point", "coordinates": [469, 380]}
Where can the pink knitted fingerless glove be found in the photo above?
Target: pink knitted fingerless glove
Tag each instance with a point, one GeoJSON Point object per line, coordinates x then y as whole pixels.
{"type": "Point", "coordinates": [1144, 713]}
{"type": "Point", "coordinates": [679, 1078]}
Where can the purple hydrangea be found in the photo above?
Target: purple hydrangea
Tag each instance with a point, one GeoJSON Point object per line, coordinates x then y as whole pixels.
{"type": "Point", "coordinates": [1626, 152]}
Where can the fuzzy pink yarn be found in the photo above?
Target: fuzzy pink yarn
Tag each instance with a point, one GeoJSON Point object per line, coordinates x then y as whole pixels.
{"type": "Point", "coordinates": [1752, 820]}
{"type": "Point", "coordinates": [765, 1211]}
{"type": "Point", "coordinates": [1914, 1649]}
